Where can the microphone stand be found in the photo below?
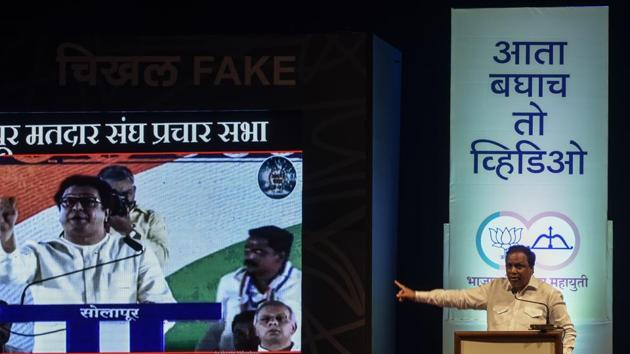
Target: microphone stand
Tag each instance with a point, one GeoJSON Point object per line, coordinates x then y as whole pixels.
{"type": "Point", "coordinates": [135, 245]}
{"type": "Point", "coordinates": [538, 327]}
{"type": "Point", "coordinates": [129, 241]}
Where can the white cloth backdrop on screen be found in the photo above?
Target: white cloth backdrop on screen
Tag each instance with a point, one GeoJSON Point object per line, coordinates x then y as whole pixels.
{"type": "Point", "coordinates": [529, 135]}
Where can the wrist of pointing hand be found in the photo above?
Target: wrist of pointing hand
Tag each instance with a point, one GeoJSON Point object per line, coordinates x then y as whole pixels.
{"type": "Point", "coordinates": [7, 237]}
{"type": "Point", "coordinates": [8, 243]}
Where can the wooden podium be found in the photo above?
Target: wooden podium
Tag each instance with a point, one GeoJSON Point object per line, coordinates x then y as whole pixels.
{"type": "Point", "coordinates": [513, 342]}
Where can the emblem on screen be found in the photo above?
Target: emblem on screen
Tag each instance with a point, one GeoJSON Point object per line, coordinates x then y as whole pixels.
{"type": "Point", "coordinates": [505, 237]}
{"type": "Point", "coordinates": [553, 236]}
{"type": "Point", "coordinates": [551, 242]}
{"type": "Point", "coordinates": [277, 177]}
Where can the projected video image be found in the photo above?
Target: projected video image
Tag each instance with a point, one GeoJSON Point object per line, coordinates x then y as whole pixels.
{"type": "Point", "coordinates": [220, 227]}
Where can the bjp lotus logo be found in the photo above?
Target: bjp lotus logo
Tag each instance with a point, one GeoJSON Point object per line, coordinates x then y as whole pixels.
{"type": "Point", "coordinates": [506, 237]}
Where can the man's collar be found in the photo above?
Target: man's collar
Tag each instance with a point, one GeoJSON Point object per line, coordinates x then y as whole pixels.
{"type": "Point", "coordinates": [286, 349]}
{"type": "Point", "coordinates": [64, 240]}
{"type": "Point", "coordinates": [534, 283]}
{"type": "Point", "coordinates": [138, 209]}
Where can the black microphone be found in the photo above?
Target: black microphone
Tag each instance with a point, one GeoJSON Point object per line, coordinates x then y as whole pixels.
{"type": "Point", "coordinates": [538, 327]}
{"type": "Point", "coordinates": [135, 245]}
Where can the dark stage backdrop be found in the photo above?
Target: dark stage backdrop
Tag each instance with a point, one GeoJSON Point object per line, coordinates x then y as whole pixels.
{"type": "Point", "coordinates": [324, 79]}
{"type": "Point", "coordinates": [422, 32]}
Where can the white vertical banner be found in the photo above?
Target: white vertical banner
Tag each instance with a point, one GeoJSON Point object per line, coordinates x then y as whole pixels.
{"type": "Point", "coordinates": [529, 159]}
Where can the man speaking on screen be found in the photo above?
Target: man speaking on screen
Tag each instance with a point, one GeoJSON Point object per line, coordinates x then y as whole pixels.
{"type": "Point", "coordinates": [512, 303]}
{"type": "Point", "coordinates": [132, 273]}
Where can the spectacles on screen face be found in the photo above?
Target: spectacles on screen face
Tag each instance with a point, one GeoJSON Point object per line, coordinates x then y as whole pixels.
{"type": "Point", "coordinates": [86, 202]}
{"type": "Point", "coordinates": [280, 319]}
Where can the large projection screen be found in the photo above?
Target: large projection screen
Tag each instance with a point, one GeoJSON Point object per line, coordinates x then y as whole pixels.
{"type": "Point", "coordinates": [209, 186]}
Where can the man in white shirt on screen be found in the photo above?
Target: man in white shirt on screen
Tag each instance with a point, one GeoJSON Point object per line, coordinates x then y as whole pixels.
{"type": "Point", "coordinates": [498, 298]}
{"type": "Point", "coordinates": [84, 204]}
{"type": "Point", "coordinates": [275, 325]}
{"type": "Point", "coordinates": [267, 275]}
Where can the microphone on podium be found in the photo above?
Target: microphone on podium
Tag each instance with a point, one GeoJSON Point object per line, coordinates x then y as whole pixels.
{"type": "Point", "coordinates": [538, 327]}
{"type": "Point", "coordinates": [135, 245]}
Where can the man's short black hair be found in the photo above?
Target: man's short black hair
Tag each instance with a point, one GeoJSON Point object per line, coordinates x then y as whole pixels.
{"type": "Point", "coordinates": [105, 192]}
{"type": "Point", "coordinates": [531, 256]}
{"type": "Point", "coordinates": [116, 173]}
{"type": "Point", "coordinates": [280, 240]}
